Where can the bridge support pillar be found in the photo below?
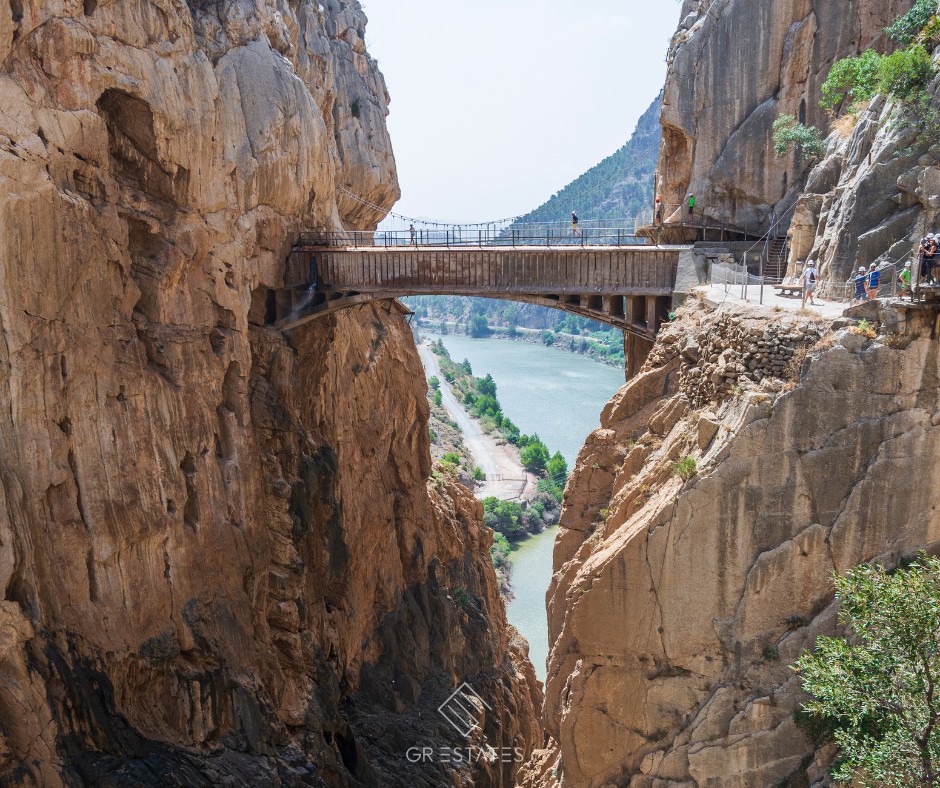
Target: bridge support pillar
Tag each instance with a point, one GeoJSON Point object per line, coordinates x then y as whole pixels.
{"type": "Point", "coordinates": [652, 314]}
{"type": "Point", "coordinates": [635, 351]}
{"type": "Point", "coordinates": [636, 310]}
{"type": "Point", "coordinates": [613, 306]}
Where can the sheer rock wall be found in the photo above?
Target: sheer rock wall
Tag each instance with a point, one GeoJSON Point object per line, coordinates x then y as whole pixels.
{"type": "Point", "coordinates": [679, 603]}
{"type": "Point", "coordinates": [219, 556]}
{"type": "Point", "coordinates": [734, 67]}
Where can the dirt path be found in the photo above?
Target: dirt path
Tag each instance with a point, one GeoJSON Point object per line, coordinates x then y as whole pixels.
{"type": "Point", "coordinates": [505, 477]}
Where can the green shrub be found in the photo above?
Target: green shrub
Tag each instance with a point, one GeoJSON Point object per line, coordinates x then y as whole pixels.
{"type": "Point", "coordinates": [434, 382]}
{"type": "Point", "coordinates": [438, 397]}
{"type": "Point", "coordinates": [451, 458]}
{"type": "Point", "coordinates": [788, 133]}
{"type": "Point", "coordinates": [905, 74]}
{"type": "Point", "coordinates": [930, 35]}
{"type": "Point", "coordinates": [504, 517]}
{"type": "Point", "coordinates": [551, 488]}
{"type": "Point", "coordinates": [479, 326]}
{"type": "Point", "coordinates": [905, 28]}
{"type": "Point", "coordinates": [795, 622]}
{"type": "Point", "coordinates": [535, 455]}
{"type": "Point", "coordinates": [499, 551]}
{"type": "Point", "coordinates": [556, 468]}
{"type": "Point", "coordinates": [685, 468]}
{"type": "Point", "coordinates": [877, 685]}
{"type": "Point", "coordinates": [853, 77]}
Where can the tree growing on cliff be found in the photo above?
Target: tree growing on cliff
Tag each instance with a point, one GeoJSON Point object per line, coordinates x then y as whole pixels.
{"type": "Point", "coordinates": [879, 688]}
{"type": "Point", "coordinates": [789, 133]}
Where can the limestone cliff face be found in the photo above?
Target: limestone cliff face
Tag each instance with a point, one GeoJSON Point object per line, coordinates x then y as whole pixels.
{"type": "Point", "coordinates": [679, 602]}
{"type": "Point", "coordinates": [872, 198]}
{"type": "Point", "coordinates": [219, 558]}
{"type": "Point", "coordinates": [734, 66]}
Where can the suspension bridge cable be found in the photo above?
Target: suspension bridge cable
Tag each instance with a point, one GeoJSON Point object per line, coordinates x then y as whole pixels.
{"type": "Point", "coordinates": [426, 222]}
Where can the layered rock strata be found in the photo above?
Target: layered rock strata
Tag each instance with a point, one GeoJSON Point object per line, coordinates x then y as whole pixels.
{"type": "Point", "coordinates": [734, 67]}
{"type": "Point", "coordinates": [219, 557]}
{"type": "Point", "coordinates": [699, 533]}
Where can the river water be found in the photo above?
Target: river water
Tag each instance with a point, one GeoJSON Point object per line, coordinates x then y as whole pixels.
{"type": "Point", "coordinates": [558, 395]}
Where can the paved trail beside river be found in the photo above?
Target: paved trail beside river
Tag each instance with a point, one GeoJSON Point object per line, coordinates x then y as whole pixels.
{"type": "Point", "coordinates": [499, 461]}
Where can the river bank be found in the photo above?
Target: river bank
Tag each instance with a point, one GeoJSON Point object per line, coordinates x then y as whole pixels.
{"type": "Point", "coordinates": [602, 351]}
{"type": "Point", "coordinates": [506, 478]}
{"type": "Point", "coordinates": [560, 396]}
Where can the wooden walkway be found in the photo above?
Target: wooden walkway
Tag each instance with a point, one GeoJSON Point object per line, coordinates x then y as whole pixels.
{"type": "Point", "coordinates": [629, 287]}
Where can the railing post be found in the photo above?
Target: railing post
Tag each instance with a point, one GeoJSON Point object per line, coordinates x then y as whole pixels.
{"type": "Point", "coordinates": [761, 268]}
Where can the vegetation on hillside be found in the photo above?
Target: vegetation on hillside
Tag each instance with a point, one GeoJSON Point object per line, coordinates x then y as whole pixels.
{"type": "Point", "coordinates": [904, 75]}
{"type": "Point", "coordinates": [789, 133]}
{"type": "Point", "coordinates": [876, 692]}
{"type": "Point", "coordinates": [483, 317]}
{"type": "Point", "coordinates": [618, 188]}
{"type": "Point", "coordinates": [478, 396]}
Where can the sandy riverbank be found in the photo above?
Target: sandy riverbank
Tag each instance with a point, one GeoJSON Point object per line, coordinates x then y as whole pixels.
{"type": "Point", "coordinates": [506, 479]}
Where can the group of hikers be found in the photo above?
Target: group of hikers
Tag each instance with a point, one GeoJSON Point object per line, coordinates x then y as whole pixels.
{"type": "Point", "coordinates": [868, 283]}
{"type": "Point", "coordinates": [929, 259]}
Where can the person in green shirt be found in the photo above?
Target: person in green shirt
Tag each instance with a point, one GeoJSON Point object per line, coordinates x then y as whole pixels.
{"type": "Point", "coordinates": [904, 279]}
{"type": "Point", "coordinates": [691, 206]}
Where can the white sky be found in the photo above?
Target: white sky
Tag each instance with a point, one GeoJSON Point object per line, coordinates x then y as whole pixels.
{"type": "Point", "coordinates": [497, 104]}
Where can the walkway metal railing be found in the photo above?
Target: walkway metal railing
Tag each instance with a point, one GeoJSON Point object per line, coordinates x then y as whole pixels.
{"type": "Point", "coordinates": [528, 235]}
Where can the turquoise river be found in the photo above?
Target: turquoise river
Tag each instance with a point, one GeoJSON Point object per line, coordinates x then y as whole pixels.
{"type": "Point", "coordinates": [558, 395]}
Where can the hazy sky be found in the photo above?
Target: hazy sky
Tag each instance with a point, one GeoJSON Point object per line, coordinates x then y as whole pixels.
{"type": "Point", "coordinates": [497, 104]}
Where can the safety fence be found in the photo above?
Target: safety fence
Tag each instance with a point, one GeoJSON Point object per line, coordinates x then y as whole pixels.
{"type": "Point", "coordinates": [556, 234]}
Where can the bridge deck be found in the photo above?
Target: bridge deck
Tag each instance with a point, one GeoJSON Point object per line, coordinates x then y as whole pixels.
{"type": "Point", "coordinates": [627, 286]}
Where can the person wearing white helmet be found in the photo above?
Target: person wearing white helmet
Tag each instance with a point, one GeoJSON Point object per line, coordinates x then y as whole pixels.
{"type": "Point", "coordinates": [808, 280]}
{"type": "Point", "coordinates": [861, 280]}
{"type": "Point", "coordinates": [904, 280]}
{"type": "Point", "coordinates": [927, 255]}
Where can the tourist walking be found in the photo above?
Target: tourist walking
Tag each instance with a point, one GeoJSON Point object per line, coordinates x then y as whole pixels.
{"type": "Point", "coordinates": [691, 199]}
{"type": "Point", "coordinates": [574, 224]}
{"type": "Point", "coordinates": [414, 234]}
{"type": "Point", "coordinates": [659, 210]}
{"type": "Point", "coordinates": [904, 281]}
{"type": "Point", "coordinates": [808, 280]}
{"type": "Point", "coordinates": [874, 281]}
{"type": "Point", "coordinates": [861, 283]}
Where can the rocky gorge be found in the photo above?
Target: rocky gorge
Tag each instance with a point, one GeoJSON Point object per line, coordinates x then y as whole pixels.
{"type": "Point", "coordinates": [682, 597]}
{"type": "Point", "coordinates": [220, 557]}
{"type": "Point", "coordinates": [756, 452]}
{"type": "Point", "coordinates": [223, 557]}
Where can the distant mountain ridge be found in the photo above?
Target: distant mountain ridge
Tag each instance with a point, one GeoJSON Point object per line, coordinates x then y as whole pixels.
{"type": "Point", "coordinates": [618, 188]}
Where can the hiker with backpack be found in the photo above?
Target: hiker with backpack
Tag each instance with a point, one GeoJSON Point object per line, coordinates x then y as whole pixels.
{"type": "Point", "coordinates": [808, 280]}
